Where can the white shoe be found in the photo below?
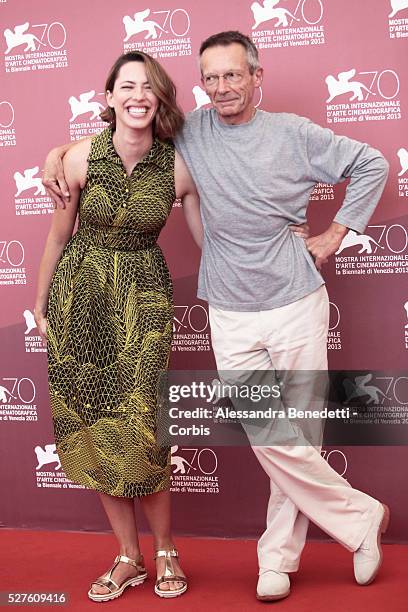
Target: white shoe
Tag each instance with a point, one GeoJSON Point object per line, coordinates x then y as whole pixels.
{"type": "Point", "coordinates": [368, 558]}
{"type": "Point", "coordinates": [272, 585]}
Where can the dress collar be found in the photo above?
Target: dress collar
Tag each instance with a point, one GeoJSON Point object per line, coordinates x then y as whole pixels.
{"type": "Point", "coordinates": [103, 148]}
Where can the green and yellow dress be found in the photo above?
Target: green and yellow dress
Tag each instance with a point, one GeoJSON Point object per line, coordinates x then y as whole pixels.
{"type": "Point", "coordinates": [110, 325]}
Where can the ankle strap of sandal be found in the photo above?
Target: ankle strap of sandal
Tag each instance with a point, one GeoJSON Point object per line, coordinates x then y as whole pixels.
{"type": "Point", "coordinates": [137, 564]}
{"type": "Point", "coordinates": [166, 553]}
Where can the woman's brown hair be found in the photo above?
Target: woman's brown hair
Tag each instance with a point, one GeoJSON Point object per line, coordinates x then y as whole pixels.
{"type": "Point", "coordinates": [169, 117]}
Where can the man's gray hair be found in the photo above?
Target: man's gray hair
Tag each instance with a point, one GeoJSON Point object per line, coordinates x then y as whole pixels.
{"type": "Point", "coordinates": [223, 39]}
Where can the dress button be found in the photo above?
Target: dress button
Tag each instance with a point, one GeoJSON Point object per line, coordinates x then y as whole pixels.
{"type": "Point", "coordinates": [124, 205]}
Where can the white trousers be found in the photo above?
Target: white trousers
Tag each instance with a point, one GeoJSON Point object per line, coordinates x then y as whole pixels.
{"type": "Point", "coordinates": [303, 486]}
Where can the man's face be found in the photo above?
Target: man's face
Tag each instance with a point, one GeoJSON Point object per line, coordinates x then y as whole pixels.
{"type": "Point", "coordinates": [228, 82]}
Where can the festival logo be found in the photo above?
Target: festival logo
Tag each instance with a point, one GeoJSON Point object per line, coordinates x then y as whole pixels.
{"type": "Point", "coordinates": [162, 33]}
{"type": "Point", "coordinates": [17, 400]}
{"type": "Point", "coordinates": [191, 329]}
{"type": "Point", "coordinates": [194, 470]}
{"type": "Point", "coordinates": [382, 250]}
{"type": "Point", "coordinates": [298, 23]}
{"type": "Point", "coordinates": [33, 342]}
{"type": "Point", "coordinates": [370, 95]}
{"type": "Point", "coordinates": [7, 131]}
{"type": "Point", "coordinates": [47, 455]}
{"type": "Point", "coordinates": [30, 322]}
{"type": "Point", "coordinates": [406, 325]}
{"type": "Point", "coordinates": [19, 37]}
{"type": "Point", "coordinates": [383, 399]}
{"type": "Point", "coordinates": [35, 47]}
{"type": "Point", "coordinates": [397, 6]}
{"type": "Point", "coordinates": [359, 388]}
{"type": "Point", "coordinates": [52, 477]}
{"type": "Point", "coordinates": [84, 105]}
{"type": "Point", "coordinates": [402, 174]}
{"type": "Point", "coordinates": [334, 333]}
{"type": "Point", "coordinates": [28, 181]}
{"type": "Point", "coordinates": [141, 25]}
{"type": "Point", "coordinates": [33, 203]}
{"type": "Point", "coordinates": [12, 270]}
{"type": "Point", "coordinates": [403, 158]}
{"type": "Point", "coordinates": [362, 241]}
{"type": "Point", "coordinates": [398, 26]}
{"type": "Point", "coordinates": [269, 11]}
{"type": "Point", "coordinates": [85, 111]}
{"type": "Point", "coordinates": [343, 85]}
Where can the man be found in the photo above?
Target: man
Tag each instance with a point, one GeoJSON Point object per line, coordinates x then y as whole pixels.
{"type": "Point", "coordinates": [267, 301]}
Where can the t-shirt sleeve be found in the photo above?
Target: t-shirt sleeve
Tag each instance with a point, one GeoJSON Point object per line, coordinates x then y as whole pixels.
{"type": "Point", "coordinates": [185, 135]}
{"type": "Point", "coordinates": [333, 158]}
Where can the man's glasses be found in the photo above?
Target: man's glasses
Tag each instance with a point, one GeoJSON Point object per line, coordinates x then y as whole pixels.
{"type": "Point", "coordinates": [231, 77]}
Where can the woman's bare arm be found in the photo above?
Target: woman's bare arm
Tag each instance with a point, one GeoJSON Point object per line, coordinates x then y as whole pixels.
{"type": "Point", "coordinates": [187, 192]}
{"type": "Point", "coordinates": [63, 222]}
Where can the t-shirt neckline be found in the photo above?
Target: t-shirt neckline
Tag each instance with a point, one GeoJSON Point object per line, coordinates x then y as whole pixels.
{"type": "Point", "coordinates": [236, 126]}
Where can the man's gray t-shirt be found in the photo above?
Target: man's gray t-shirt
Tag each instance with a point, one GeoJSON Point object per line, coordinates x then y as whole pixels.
{"type": "Point", "coordinates": [254, 179]}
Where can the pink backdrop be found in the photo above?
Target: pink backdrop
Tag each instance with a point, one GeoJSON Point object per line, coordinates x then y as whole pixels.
{"type": "Point", "coordinates": [53, 54]}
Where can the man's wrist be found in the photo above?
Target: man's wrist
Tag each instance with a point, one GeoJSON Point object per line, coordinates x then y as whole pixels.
{"type": "Point", "coordinates": [338, 230]}
{"type": "Point", "coordinates": [61, 150]}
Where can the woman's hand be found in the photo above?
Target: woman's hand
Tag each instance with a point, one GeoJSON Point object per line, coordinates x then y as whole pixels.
{"type": "Point", "coordinates": [41, 321]}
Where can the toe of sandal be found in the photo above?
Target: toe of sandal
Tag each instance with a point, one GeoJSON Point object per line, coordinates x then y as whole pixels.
{"type": "Point", "coordinates": [116, 590]}
{"type": "Point", "coordinates": [169, 575]}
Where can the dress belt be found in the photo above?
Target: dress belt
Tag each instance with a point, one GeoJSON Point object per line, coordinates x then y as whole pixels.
{"type": "Point", "coordinates": [118, 238]}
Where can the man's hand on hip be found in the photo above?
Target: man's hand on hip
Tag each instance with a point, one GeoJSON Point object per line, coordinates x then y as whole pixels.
{"type": "Point", "coordinates": [324, 245]}
{"type": "Point", "coordinates": [54, 178]}
{"type": "Point", "coordinates": [302, 230]}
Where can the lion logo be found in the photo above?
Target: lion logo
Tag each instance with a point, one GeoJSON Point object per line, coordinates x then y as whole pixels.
{"type": "Point", "coordinates": [83, 105]}
{"type": "Point", "coordinates": [403, 157]}
{"type": "Point", "coordinates": [46, 455]}
{"type": "Point", "coordinates": [28, 180]}
{"type": "Point", "coordinates": [268, 11]}
{"type": "Point", "coordinates": [343, 85]}
{"type": "Point", "coordinates": [397, 6]}
{"type": "Point", "coordinates": [20, 36]}
{"type": "Point", "coordinates": [138, 25]}
{"type": "Point", "coordinates": [354, 239]}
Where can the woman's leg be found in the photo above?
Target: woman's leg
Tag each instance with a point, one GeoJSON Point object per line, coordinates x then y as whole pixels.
{"type": "Point", "coordinates": [157, 510]}
{"type": "Point", "coordinates": [121, 515]}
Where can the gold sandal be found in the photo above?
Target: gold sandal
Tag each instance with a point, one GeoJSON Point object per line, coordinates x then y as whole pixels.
{"type": "Point", "coordinates": [169, 575]}
{"type": "Point", "coordinates": [114, 589]}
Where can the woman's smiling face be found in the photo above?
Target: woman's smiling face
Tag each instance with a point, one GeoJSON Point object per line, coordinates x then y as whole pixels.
{"type": "Point", "coordinates": [132, 98]}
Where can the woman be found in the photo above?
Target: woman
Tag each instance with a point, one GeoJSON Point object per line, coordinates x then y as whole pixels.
{"type": "Point", "coordinates": [104, 303]}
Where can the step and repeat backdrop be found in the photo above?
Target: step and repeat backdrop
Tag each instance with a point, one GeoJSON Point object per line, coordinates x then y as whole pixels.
{"type": "Point", "coordinates": [344, 65]}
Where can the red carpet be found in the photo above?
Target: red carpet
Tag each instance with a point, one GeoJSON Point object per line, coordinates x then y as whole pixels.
{"type": "Point", "coordinates": [222, 575]}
